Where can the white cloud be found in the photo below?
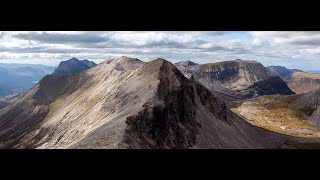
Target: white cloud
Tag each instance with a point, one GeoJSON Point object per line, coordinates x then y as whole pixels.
{"type": "Point", "coordinates": [270, 47]}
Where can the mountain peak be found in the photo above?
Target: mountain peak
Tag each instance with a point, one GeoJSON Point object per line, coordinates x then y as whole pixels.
{"type": "Point", "coordinates": [127, 59]}
{"type": "Point", "coordinates": [73, 59]}
{"type": "Point", "coordinates": [186, 63]}
{"type": "Point", "coordinates": [73, 66]}
{"type": "Point", "coordinates": [158, 63]}
{"type": "Point", "coordinates": [124, 58]}
{"type": "Point", "coordinates": [89, 63]}
{"type": "Point", "coordinates": [156, 66]}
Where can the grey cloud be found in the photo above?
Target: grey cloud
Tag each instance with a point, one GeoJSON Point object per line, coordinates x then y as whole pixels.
{"type": "Point", "coordinates": [166, 43]}
{"type": "Point", "coordinates": [53, 38]}
{"type": "Point", "coordinates": [215, 33]}
{"type": "Point", "coordinates": [37, 50]}
{"type": "Point", "coordinates": [307, 41]}
{"type": "Point", "coordinates": [101, 40]}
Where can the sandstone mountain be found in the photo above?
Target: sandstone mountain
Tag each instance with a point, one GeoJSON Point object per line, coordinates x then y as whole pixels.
{"type": "Point", "coordinates": [283, 72]}
{"type": "Point", "coordinates": [126, 103]}
{"type": "Point", "coordinates": [302, 82]}
{"type": "Point", "coordinates": [73, 66]}
{"type": "Point", "coordinates": [237, 79]}
{"type": "Point", "coordinates": [297, 80]}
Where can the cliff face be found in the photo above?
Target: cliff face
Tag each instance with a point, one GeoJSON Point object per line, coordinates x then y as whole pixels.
{"type": "Point", "coordinates": [126, 103]}
{"type": "Point", "coordinates": [239, 79]}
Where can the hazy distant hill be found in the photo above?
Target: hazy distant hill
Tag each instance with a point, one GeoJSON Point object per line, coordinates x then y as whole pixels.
{"type": "Point", "coordinates": [15, 78]}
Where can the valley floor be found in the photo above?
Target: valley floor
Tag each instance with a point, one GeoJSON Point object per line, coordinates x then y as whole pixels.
{"type": "Point", "coordinates": [276, 116]}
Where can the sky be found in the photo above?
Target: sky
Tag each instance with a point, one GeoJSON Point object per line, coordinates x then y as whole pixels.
{"type": "Point", "coordinates": [293, 49]}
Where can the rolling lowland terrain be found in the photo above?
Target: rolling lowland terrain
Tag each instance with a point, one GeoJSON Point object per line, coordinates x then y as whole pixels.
{"type": "Point", "coordinates": [128, 103]}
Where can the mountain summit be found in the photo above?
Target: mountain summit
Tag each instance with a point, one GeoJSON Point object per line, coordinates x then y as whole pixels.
{"type": "Point", "coordinates": [73, 66]}
{"type": "Point", "coordinates": [186, 63]}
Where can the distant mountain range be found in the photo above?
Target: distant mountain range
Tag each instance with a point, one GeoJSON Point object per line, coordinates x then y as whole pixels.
{"type": "Point", "coordinates": [128, 103]}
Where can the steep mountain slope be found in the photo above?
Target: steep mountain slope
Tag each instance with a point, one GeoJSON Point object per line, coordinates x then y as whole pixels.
{"type": "Point", "coordinates": [237, 79]}
{"type": "Point", "coordinates": [294, 115]}
{"type": "Point", "coordinates": [73, 66]}
{"type": "Point", "coordinates": [126, 103]}
{"type": "Point", "coordinates": [283, 72]}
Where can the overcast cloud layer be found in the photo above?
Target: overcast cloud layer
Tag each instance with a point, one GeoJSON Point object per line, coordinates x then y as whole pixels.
{"type": "Point", "coordinates": [291, 49]}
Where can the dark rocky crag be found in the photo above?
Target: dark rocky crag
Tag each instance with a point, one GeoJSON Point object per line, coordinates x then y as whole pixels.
{"type": "Point", "coordinates": [73, 66]}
